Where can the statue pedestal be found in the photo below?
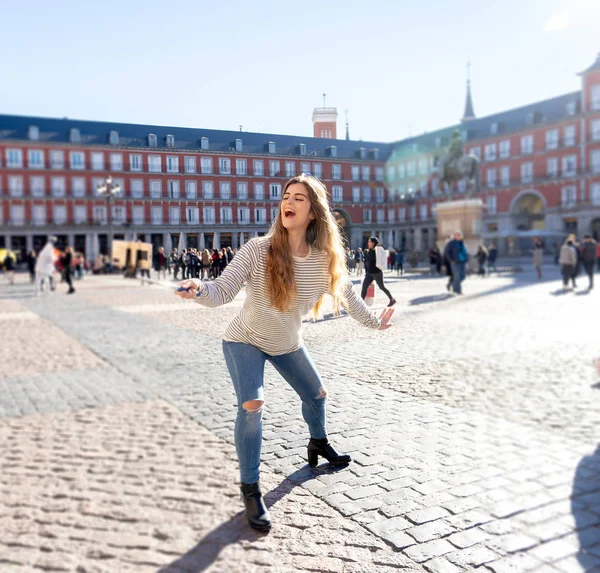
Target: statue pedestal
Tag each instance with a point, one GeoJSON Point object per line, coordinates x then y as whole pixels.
{"type": "Point", "coordinates": [464, 215]}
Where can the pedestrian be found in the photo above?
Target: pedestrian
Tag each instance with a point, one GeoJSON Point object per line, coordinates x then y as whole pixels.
{"type": "Point", "coordinates": [538, 256]}
{"type": "Point", "coordinates": [481, 256]}
{"type": "Point", "coordinates": [568, 260]}
{"type": "Point", "coordinates": [598, 255]}
{"type": "Point", "coordinates": [160, 263]}
{"type": "Point", "coordinates": [492, 256]}
{"type": "Point", "coordinates": [399, 263]}
{"type": "Point", "coordinates": [588, 256]}
{"type": "Point", "coordinates": [206, 262]}
{"type": "Point", "coordinates": [31, 266]}
{"type": "Point", "coordinates": [44, 268]}
{"type": "Point", "coordinates": [458, 257]}
{"type": "Point", "coordinates": [374, 265]}
{"type": "Point", "coordinates": [359, 261]}
{"type": "Point", "coordinates": [448, 265]}
{"type": "Point", "coordinates": [175, 263]}
{"type": "Point", "coordinates": [67, 261]}
{"type": "Point", "coordinates": [9, 268]}
{"type": "Point", "coordinates": [288, 273]}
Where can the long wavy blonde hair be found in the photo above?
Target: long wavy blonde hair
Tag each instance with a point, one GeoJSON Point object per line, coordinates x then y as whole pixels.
{"type": "Point", "coordinates": [322, 233]}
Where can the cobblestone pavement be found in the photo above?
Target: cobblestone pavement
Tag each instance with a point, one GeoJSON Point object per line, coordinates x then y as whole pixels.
{"type": "Point", "coordinates": [473, 425]}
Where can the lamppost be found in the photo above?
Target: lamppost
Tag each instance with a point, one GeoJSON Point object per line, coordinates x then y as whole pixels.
{"type": "Point", "coordinates": [109, 190]}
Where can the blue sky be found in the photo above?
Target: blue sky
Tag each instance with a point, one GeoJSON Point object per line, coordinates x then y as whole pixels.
{"type": "Point", "coordinates": [398, 67]}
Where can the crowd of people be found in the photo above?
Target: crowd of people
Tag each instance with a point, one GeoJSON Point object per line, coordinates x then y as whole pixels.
{"type": "Point", "coordinates": [355, 260]}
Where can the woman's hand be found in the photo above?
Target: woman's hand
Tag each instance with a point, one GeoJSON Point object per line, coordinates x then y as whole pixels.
{"type": "Point", "coordinates": [385, 318]}
{"type": "Point", "coordinates": [188, 288]}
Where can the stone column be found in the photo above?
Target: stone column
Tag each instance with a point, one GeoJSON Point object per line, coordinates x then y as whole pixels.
{"type": "Point", "coordinates": [242, 241]}
{"type": "Point", "coordinates": [234, 240]}
{"type": "Point", "coordinates": [29, 243]}
{"type": "Point", "coordinates": [390, 241]}
{"type": "Point", "coordinates": [201, 242]}
{"type": "Point", "coordinates": [217, 240]}
{"type": "Point", "coordinates": [254, 234]}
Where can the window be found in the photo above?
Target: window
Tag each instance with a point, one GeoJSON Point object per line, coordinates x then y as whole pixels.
{"type": "Point", "coordinates": [423, 187]}
{"type": "Point", "coordinates": [569, 135]}
{"type": "Point", "coordinates": [260, 216]}
{"type": "Point", "coordinates": [271, 147]}
{"type": "Point", "coordinates": [208, 214]}
{"type": "Point", "coordinates": [504, 149]}
{"type": "Point", "coordinates": [99, 214]}
{"type": "Point", "coordinates": [135, 162]}
{"type": "Point", "coordinates": [38, 214]}
{"type": "Point", "coordinates": [552, 139]}
{"type": "Point", "coordinates": [552, 167]}
{"type": "Point", "coordinates": [595, 161]}
{"type": "Point", "coordinates": [595, 130]}
{"type": "Point", "coordinates": [505, 175]}
{"type": "Point", "coordinates": [435, 187]}
{"type": "Point", "coordinates": [189, 164]}
{"type": "Point", "coordinates": [239, 145]}
{"type": "Point", "coordinates": [259, 191]}
{"type": "Point", "coordinates": [326, 133]}
{"type": "Point", "coordinates": [381, 215]}
{"type": "Point", "coordinates": [97, 161]}
{"type": "Point", "coordinates": [14, 158]}
{"type": "Point", "coordinates": [118, 214]}
{"type": "Point", "coordinates": [423, 211]}
{"type": "Point", "coordinates": [476, 152]}
{"type": "Point", "coordinates": [290, 168]}
{"type": "Point", "coordinates": [155, 189]}
{"type": "Point", "coordinates": [137, 215]}
{"type": "Point", "coordinates": [355, 171]}
{"type": "Point", "coordinates": [208, 191]}
{"type": "Point", "coordinates": [274, 213]}
{"type": "Point", "coordinates": [116, 161]}
{"type": "Point", "coordinates": [154, 164]}
{"type": "Point", "coordinates": [411, 168]}
{"type": "Point", "coordinates": [225, 190]}
{"type": "Point", "coordinates": [156, 215]}
{"type": "Point", "coordinates": [170, 141]}
{"type": "Point", "coordinates": [225, 166]}
{"type": "Point", "coordinates": [490, 152]}
{"type": "Point", "coordinates": [17, 214]}
{"type": "Point", "coordinates": [152, 140]}
{"type": "Point", "coordinates": [494, 128]}
{"type": "Point", "coordinates": [206, 165]}
{"type": "Point", "coordinates": [36, 185]}
{"type": "Point", "coordinates": [423, 165]}
{"type": "Point", "coordinates": [527, 172]}
{"type": "Point", "coordinates": [366, 215]}
{"type": "Point", "coordinates": [378, 173]}
{"type": "Point", "coordinates": [367, 194]}
{"type": "Point", "coordinates": [392, 193]}
{"type": "Point", "coordinates": [36, 159]}
{"type": "Point", "coordinates": [240, 167]}
{"type": "Point", "coordinates": [58, 187]}
{"type": "Point", "coordinates": [412, 213]}
{"type": "Point", "coordinates": [366, 173]}
{"type": "Point", "coordinates": [172, 164]}
{"type": "Point", "coordinates": [401, 171]}
{"type": "Point", "coordinates": [275, 191]}
{"type": "Point", "coordinates": [491, 178]}
{"type": "Point", "coordinates": [191, 189]}
{"type": "Point", "coordinates": [258, 168]}
{"type": "Point", "coordinates": [80, 214]}
{"type": "Point", "coordinates": [242, 190]}
{"type": "Point", "coordinates": [391, 215]}
{"type": "Point", "coordinates": [204, 143]}
{"type": "Point", "coordinates": [391, 172]}
{"type": "Point", "coordinates": [244, 215]}
{"type": "Point", "coordinates": [356, 194]}
{"type": "Point", "coordinates": [402, 214]}
{"type": "Point", "coordinates": [526, 144]}
{"type": "Point", "coordinates": [336, 171]}
{"type": "Point", "coordinates": [78, 186]}
{"type": "Point", "coordinates": [96, 181]}
{"type": "Point", "coordinates": [74, 135]}
{"type": "Point", "coordinates": [57, 159]}
{"type": "Point", "coordinates": [113, 138]}
{"type": "Point", "coordinates": [569, 196]}
{"type": "Point", "coordinates": [595, 99]}
{"type": "Point", "coordinates": [569, 165]}
{"type": "Point", "coordinates": [192, 215]}
{"type": "Point", "coordinates": [305, 168]}
{"type": "Point", "coordinates": [302, 147]}
{"type": "Point", "coordinates": [595, 193]}
{"type": "Point", "coordinates": [337, 193]}
{"type": "Point", "coordinates": [137, 188]}
{"type": "Point", "coordinates": [33, 132]}
{"type": "Point", "coordinates": [173, 188]}
{"type": "Point", "coordinates": [175, 215]}
{"type": "Point", "coordinates": [492, 204]}
{"type": "Point", "coordinates": [274, 168]}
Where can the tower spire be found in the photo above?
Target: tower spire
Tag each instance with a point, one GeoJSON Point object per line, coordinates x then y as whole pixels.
{"type": "Point", "coordinates": [469, 113]}
{"type": "Point", "coordinates": [347, 127]}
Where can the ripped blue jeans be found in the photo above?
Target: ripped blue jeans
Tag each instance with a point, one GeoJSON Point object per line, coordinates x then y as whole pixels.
{"type": "Point", "coordinates": [246, 365]}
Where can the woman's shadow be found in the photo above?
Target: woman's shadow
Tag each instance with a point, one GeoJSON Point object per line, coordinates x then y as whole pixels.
{"type": "Point", "coordinates": [585, 506]}
{"type": "Point", "coordinates": [207, 550]}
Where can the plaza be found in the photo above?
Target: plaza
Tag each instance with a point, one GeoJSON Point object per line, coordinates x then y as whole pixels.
{"type": "Point", "coordinates": [473, 424]}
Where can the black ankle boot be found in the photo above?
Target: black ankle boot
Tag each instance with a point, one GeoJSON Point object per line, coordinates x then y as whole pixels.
{"type": "Point", "coordinates": [256, 510]}
{"type": "Point", "coordinates": [322, 448]}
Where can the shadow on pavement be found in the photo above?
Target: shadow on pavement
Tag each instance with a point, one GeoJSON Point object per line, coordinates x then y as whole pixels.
{"type": "Point", "coordinates": [429, 299]}
{"type": "Point", "coordinates": [585, 506]}
{"type": "Point", "coordinates": [207, 550]}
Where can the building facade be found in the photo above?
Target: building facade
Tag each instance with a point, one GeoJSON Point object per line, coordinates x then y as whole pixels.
{"type": "Point", "coordinates": [540, 167]}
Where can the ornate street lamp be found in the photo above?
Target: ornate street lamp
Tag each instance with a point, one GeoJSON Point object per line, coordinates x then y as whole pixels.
{"type": "Point", "coordinates": [109, 189]}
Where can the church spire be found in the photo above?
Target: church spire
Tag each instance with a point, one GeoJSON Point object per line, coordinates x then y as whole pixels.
{"type": "Point", "coordinates": [347, 128]}
{"type": "Point", "coordinates": [469, 113]}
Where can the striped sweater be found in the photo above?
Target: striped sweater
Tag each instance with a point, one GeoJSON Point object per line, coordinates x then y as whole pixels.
{"type": "Point", "coordinates": [261, 324]}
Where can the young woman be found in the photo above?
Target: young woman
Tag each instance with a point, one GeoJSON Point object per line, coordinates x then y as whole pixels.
{"type": "Point", "coordinates": [288, 272]}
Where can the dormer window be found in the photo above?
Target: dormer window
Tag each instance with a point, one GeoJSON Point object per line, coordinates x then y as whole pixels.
{"type": "Point", "coordinates": [238, 145]}
{"type": "Point", "coordinates": [375, 154]}
{"type": "Point", "coordinates": [170, 141]}
{"type": "Point", "coordinates": [438, 142]}
{"type": "Point", "coordinates": [33, 133]}
{"type": "Point", "coordinates": [74, 135]}
{"type": "Point", "coordinates": [204, 143]}
{"type": "Point", "coordinates": [572, 108]}
{"type": "Point", "coordinates": [362, 153]}
{"type": "Point", "coordinates": [152, 140]}
{"type": "Point", "coordinates": [271, 146]}
{"type": "Point", "coordinates": [113, 138]}
{"type": "Point", "coordinates": [332, 151]}
{"type": "Point", "coordinates": [302, 148]}
{"type": "Point", "coordinates": [494, 128]}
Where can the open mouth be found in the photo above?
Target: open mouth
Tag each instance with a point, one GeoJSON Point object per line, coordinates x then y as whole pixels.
{"type": "Point", "coordinates": [288, 213]}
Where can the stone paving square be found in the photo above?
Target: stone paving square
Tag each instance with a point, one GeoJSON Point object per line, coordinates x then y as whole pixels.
{"type": "Point", "coordinates": [473, 424]}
